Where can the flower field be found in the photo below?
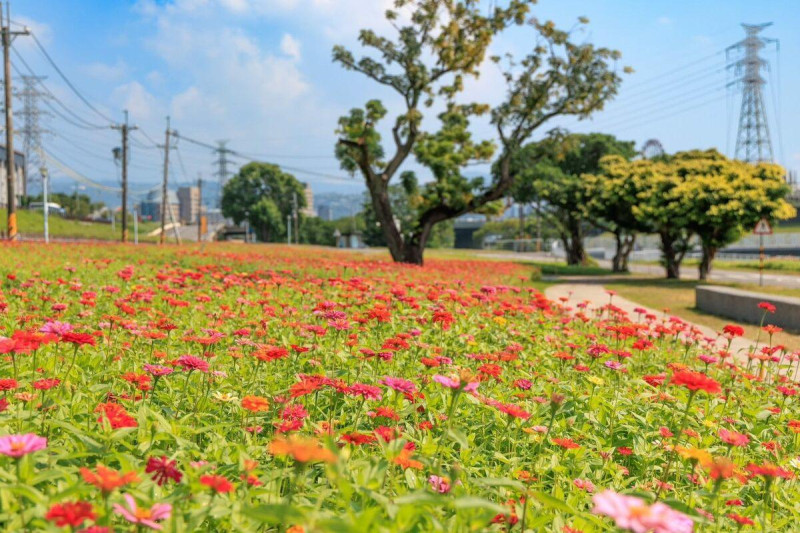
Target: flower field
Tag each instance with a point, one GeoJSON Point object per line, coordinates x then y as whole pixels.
{"type": "Point", "coordinates": [243, 388]}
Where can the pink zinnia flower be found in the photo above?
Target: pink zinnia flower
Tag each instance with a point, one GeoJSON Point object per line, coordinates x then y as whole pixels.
{"type": "Point", "coordinates": [57, 328]}
{"type": "Point", "coordinates": [158, 370]}
{"type": "Point", "coordinates": [141, 516]}
{"type": "Point", "coordinates": [190, 362]}
{"type": "Point", "coordinates": [19, 445]}
{"type": "Point", "coordinates": [399, 384]}
{"type": "Point", "coordinates": [455, 383]}
{"type": "Point", "coordinates": [440, 484]}
{"type": "Point", "coordinates": [634, 514]}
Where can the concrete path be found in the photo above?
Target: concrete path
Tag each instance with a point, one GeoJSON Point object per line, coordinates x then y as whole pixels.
{"type": "Point", "coordinates": [596, 295]}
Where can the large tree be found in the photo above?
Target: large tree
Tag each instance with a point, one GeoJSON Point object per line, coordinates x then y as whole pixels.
{"type": "Point", "coordinates": [612, 203]}
{"type": "Point", "coordinates": [556, 174]}
{"type": "Point", "coordinates": [703, 195]}
{"type": "Point", "coordinates": [264, 196]}
{"type": "Point", "coordinates": [728, 198]}
{"type": "Point", "coordinates": [405, 197]}
{"type": "Point", "coordinates": [435, 46]}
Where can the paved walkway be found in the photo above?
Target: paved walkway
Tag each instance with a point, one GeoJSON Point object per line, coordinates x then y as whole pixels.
{"type": "Point", "coordinates": [596, 295]}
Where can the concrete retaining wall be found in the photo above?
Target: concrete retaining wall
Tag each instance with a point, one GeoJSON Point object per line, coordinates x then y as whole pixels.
{"type": "Point", "coordinates": [742, 306]}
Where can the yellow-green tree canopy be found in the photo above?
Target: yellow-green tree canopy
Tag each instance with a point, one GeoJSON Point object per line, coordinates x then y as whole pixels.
{"type": "Point", "coordinates": [701, 193]}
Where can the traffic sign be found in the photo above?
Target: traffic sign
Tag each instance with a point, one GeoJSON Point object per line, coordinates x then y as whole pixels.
{"type": "Point", "coordinates": [763, 228]}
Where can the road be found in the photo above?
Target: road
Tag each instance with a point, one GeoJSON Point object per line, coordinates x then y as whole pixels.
{"type": "Point", "coordinates": [772, 279]}
{"type": "Point", "coordinates": [788, 281]}
{"type": "Point", "coordinates": [188, 232]}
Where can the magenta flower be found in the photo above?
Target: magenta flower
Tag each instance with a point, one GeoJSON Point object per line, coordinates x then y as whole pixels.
{"type": "Point", "coordinates": [158, 370]}
{"type": "Point", "coordinates": [18, 445]}
{"type": "Point", "coordinates": [634, 514]}
{"type": "Point", "coordinates": [455, 383]}
{"type": "Point", "coordinates": [141, 516]}
{"type": "Point", "coordinates": [440, 484]}
{"type": "Point", "coordinates": [190, 362]}
{"type": "Point", "coordinates": [57, 328]}
{"type": "Point", "coordinates": [400, 385]}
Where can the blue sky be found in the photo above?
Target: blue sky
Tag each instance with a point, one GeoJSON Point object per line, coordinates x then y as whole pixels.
{"type": "Point", "coordinates": [258, 73]}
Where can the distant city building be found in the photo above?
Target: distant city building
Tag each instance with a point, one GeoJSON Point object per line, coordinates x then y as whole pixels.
{"type": "Point", "coordinates": [20, 177]}
{"type": "Point", "coordinates": [308, 210]}
{"type": "Point", "coordinates": [150, 207]}
{"type": "Point", "coordinates": [340, 205]}
{"type": "Point", "coordinates": [325, 212]}
{"type": "Point", "coordinates": [188, 198]}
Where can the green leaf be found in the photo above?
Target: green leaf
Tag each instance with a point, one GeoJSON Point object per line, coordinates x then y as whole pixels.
{"type": "Point", "coordinates": [553, 503]}
{"type": "Point", "coordinates": [273, 513]}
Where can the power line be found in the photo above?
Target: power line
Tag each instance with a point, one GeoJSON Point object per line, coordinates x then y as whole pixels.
{"type": "Point", "coordinates": [67, 81]}
{"type": "Point", "coordinates": [77, 176]}
{"type": "Point", "coordinates": [87, 124]}
{"type": "Point", "coordinates": [676, 70]}
{"type": "Point", "coordinates": [644, 116]}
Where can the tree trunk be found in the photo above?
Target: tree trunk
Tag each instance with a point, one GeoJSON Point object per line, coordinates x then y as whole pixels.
{"type": "Point", "coordinates": [672, 262]}
{"type": "Point", "coordinates": [573, 245]}
{"type": "Point", "coordinates": [704, 269]}
{"type": "Point", "coordinates": [379, 193]}
{"type": "Point", "coordinates": [414, 245]}
{"type": "Point", "coordinates": [624, 248]}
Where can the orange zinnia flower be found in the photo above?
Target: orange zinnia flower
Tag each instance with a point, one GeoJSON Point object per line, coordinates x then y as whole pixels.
{"type": "Point", "coordinates": [107, 479]}
{"type": "Point", "coordinates": [301, 449]}
{"type": "Point", "coordinates": [256, 404]}
{"type": "Point", "coordinates": [405, 460]}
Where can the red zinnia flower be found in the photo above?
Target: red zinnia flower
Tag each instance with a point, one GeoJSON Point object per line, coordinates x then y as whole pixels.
{"type": "Point", "coordinates": [695, 381]}
{"type": "Point", "coordinates": [742, 520]}
{"type": "Point", "coordinates": [70, 514]}
{"type": "Point", "coordinates": [46, 384]}
{"type": "Point", "coordinates": [568, 444]}
{"type": "Point", "coordinates": [766, 306]}
{"type": "Point", "coordinates": [216, 483]}
{"type": "Point", "coordinates": [163, 470]}
{"type": "Point", "coordinates": [768, 470]}
{"type": "Point", "coordinates": [733, 438]}
{"type": "Point", "coordinates": [78, 339]}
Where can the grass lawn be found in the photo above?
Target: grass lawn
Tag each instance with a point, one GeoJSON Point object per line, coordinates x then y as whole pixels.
{"type": "Point", "coordinates": [547, 268]}
{"type": "Point", "coordinates": [678, 297]}
{"type": "Point", "coordinates": [32, 223]}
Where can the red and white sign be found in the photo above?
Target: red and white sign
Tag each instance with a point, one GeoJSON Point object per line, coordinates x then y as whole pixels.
{"type": "Point", "coordinates": [763, 228]}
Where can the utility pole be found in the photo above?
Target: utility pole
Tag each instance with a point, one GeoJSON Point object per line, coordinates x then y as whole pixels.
{"type": "Point", "coordinates": [295, 217]}
{"type": "Point", "coordinates": [753, 143]}
{"type": "Point", "coordinates": [7, 36]}
{"type": "Point", "coordinates": [164, 199]}
{"type": "Point", "coordinates": [199, 207]}
{"type": "Point", "coordinates": [124, 129]}
{"type": "Point", "coordinates": [45, 194]}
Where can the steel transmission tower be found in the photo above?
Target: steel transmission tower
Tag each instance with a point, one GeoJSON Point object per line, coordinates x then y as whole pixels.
{"type": "Point", "coordinates": [752, 140]}
{"type": "Point", "coordinates": [222, 172]}
{"type": "Point", "coordinates": [31, 129]}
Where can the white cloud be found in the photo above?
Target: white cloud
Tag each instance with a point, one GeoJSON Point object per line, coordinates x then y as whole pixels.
{"type": "Point", "coordinates": [231, 85]}
{"type": "Point", "coordinates": [290, 46]}
{"type": "Point", "coordinates": [664, 21]}
{"type": "Point", "coordinates": [137, 100]}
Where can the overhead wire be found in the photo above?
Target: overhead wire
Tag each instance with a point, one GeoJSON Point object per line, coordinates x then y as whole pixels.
{"type": "Point", "coordinates": [67, 81]}
{"type": "Point", "coordinates": [86, 124]}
